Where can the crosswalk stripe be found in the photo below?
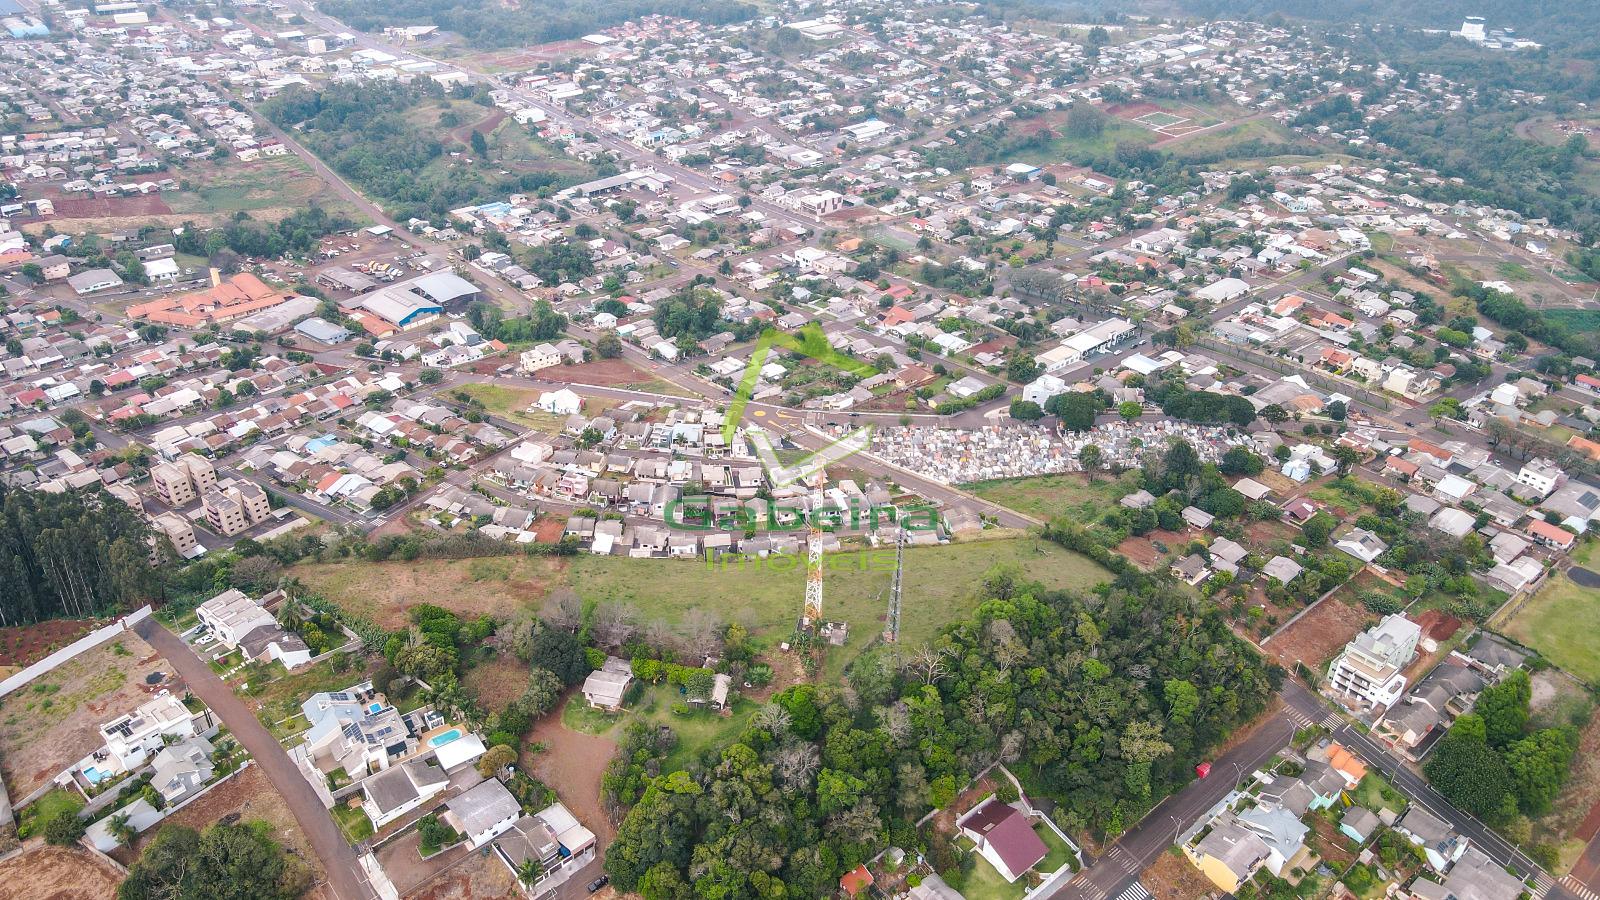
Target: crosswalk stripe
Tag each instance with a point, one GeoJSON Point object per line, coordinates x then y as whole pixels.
{"type": "Point", "coordinates": [1579, 888]}
{"type": "Point", "coordinates": [1135, 891]}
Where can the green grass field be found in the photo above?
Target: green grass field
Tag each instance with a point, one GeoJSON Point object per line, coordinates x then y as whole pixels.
{"type": "Point", "coordinates": [1560, 622]}
{"type": "Point", "coordinates": [512, 403]}
{"type": "Point", "coordinates": [940, 586]}
{"type": "Point", "coordinates": [270, 183]}
{"type": "Point", "coordinates": [1576, 319]}
{"type": "Point", "coordinates": [1048, 497]}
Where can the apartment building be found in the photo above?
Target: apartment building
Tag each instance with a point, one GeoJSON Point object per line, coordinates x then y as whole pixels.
{"type": "Point", "coordinates": [177, 530]}
{"type": "Point", "coordinates": [1368, 671]}
{"type": "Point", "coordinates": [179, 482]}
{"type": "Point", "coordinates": [233, 508]}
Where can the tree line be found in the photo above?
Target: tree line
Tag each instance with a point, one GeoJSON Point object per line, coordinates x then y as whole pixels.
{"type": "Point", "coordinates": [70, 555]}
{"type": "Point", "coordinates": [490, 24]}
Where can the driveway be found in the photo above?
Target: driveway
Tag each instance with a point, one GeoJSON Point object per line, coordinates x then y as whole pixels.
{"type": "Point", "coordinates": [346, 881]}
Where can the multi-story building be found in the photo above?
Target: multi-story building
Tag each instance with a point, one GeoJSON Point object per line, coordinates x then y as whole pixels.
{"type": "Point", "coordinates": [1368, 671]}
{"type": "Point", "coordinates": [179, 482]}
{"type": "Point", "coordinates": [233, 507]}
{"type": "Point", "coordinates": [177, 530]}
{"type": "Point", "coordinates": [172, 485]}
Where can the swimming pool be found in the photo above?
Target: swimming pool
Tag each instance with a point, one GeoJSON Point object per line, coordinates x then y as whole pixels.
{"type": "Point", "coordinates": [375, 708]}
{"type": "Point", "coordinates": [94, 775]}
{"type": "Point", "coordinates": [439, 740]}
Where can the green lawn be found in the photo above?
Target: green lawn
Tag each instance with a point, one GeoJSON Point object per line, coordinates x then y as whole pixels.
{"type": "Point", "coordinates": [1376, 794]}
{"type": "Point", "coordinates": [985, 882]}
{"type": "Point", "coordinates": [512, 403]}
{"type": "Point", "coordinates": [32, 818]}
{"type": "Point", "coordinates": [353, 822]}
{"type": "Point", "coordinates": [1512, 271]}
{"type": "Point", "coordinates": [1576, 319]}
{"type": "Point", "coordinates": [1561, 622]}
{"type": "Point", "coordinates": [1048, 497]}
{"type": "Point", "coordinates": [280, 694]}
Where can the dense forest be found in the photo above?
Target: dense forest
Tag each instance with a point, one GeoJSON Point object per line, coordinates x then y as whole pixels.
{"type": "Point", "coordinates": [365, 133]}
{"type": "Point", "coordinates": [486, 23]}
{"type": "Point", "coordinates": [1102, 702]}
{"type": "Point", "coordinates": [75, 554]}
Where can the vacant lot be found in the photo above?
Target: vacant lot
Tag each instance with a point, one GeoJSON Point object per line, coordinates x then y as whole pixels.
{"type": "Point", "coordinates": [941, 585]}
{"type": "Point", "coordinates": [612, 373]}
{"type": "Point", "coordinates": [383, 592]}
{"type": "Point", "coordinates": [58, 873]}
{"type": "Point", "coordinates": [1561, 622]}
{"type": "Point", "coordinates": [1048, 497]}
{"type": "Point", "coordinates": [1321, 633]}
{"type": "Point", "coordinates": [572, 765]}
{"type": "Point", "coordinates": [54, 721]}
{"type": "Point", "coordinates": [251, 797]}
{"type": "Point", "coordinates": [24, 645]}
{"type": "Point", "coordinates": [267, 188]}
{"type": "Point", "coordinates": [512, 403]}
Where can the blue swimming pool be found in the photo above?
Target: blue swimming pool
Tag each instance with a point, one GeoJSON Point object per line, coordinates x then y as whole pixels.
{"type": "Point", "coordinates": [375, 708]}
{"type": "Point", "coordinates": [439, 740]}
{"type": "Point", "coordinates": [94, 775]}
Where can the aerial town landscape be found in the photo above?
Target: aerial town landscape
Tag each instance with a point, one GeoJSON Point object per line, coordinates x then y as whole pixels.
{"type": "Point", "coordinates": [1083, 449]}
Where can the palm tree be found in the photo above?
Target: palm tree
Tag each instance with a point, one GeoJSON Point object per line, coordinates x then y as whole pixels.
{"type": "Point", "coordinates": [290, 616]}
{"type": "Point", "coordinates": [529, 871]}
{"type": "Point", "coordinates": [121, 827]}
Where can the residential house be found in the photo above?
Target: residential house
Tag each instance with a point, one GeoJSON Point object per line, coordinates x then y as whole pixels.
{"type": "Point", "coordinates": [483, 812]}
{"type": "Point", "coordinates": [398, 790]}
{"type": "Point", "coordinates": [1004, 837]}
{"type": "Point", "coordinates": [606, 687]}
{"type": "Point", "coordinates": [182, 769]}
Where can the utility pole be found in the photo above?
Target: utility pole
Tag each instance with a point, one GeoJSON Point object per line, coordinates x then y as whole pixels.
{"type": "Point", "coordinates": [891, 622]}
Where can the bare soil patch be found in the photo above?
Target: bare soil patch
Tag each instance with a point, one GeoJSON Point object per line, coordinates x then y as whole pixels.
{"type": "Point", "coordinates": [1133, 110]}
{"type": "Point", "coordinates": [111, 207]}
{"type": "Point", "coordinates": [58, 873]}
{"type": "Point", "coordinates": [1260, 535]}
{"type": "Point", "coordinates": [55, 720]}
{"type": "Point", "coordinates": [603, 372]}
{"type": "Point", "coordinates": [572, 765]}
{"type": "Point", "coordinates": [1331, 844]}
{"type": "Point", "coordinates": [498, 681]}
{"type": "Point", "coordinates": [25, 645]}
{"type": "Point", "coordinates": [1143, 550]}
{"type": "Point", "coordinates": [477, 877]}
{"type": "Point", "coordinates": [548, 529]}
{"type": "Point", "coordinates": [1440, 626]}
{"type": "Point", "coordinates": [485, 125]}
{"type": "Point", "coordinates": [1171, 877]}
{"type": "Point", "coordinates": [1320, 633]}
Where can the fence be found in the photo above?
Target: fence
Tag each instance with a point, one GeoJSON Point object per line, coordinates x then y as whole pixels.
{"type": "Point", "coordinates": [82, 645]}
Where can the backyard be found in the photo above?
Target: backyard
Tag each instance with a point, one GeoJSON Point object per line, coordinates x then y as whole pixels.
{"type": "Point", "coordinates": [984, 881]}
{"type": "Point", "coordinates": [698, 730]}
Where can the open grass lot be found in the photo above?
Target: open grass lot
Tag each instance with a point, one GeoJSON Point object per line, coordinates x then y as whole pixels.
{"type": "Point", "coordinates": [1576, 319]}
{"type": "Point", "coordinates": [251, 796]}
{"type": "Point", "coordinates": [941, 586]}
{"type": "Point", "coordinates": [512, 403]}
{"type": "Point", "coordinates": [1375, 793]}
{"type": "Point", "coordinates": [1049, 497]}
{"type": "Point", "coordinates": [55, 720]}
{"type": "Point", "coordinates": [383, 592]}
{"type": "Point", "coordinates": [1561, 622]}
{"type": "Point", "coordinates": [268, 188]}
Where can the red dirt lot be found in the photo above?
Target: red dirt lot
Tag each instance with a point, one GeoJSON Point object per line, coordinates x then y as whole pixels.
{"type": "Point", "coordinates": [57, 873]}
{"type": "Point", "coordinates": [1437, 625]}
{"type": "Point", "coordinates": [548, 529]}
{"type": "Point", "coordinates": [1133, 110]}
{"type": "Point", "coordinates": [25, 645]}
{"type": "Point", "coordinates": [602, 372]}
{"type": "Point", "coordinates": [1144, 553]}
{"type": "Point", "coordinates": [572, 764]}
{"type": "Point", "coordinates": [111, 207]}
{"type": "Point", "coordinates": [1319, 634]}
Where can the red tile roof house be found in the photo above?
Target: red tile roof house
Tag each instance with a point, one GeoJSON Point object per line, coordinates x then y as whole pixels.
{"type": "Point", "coordinates": [1004, 837]}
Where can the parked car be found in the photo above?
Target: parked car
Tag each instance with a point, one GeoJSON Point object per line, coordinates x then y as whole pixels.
{"type": "Point", "coordinates": [599, 883]}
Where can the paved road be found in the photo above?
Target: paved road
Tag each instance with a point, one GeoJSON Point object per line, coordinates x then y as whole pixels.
{"type": "Point", "coordinates": [1116, 870]}
{"type": "Point", "coordinates": [346, 881]}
